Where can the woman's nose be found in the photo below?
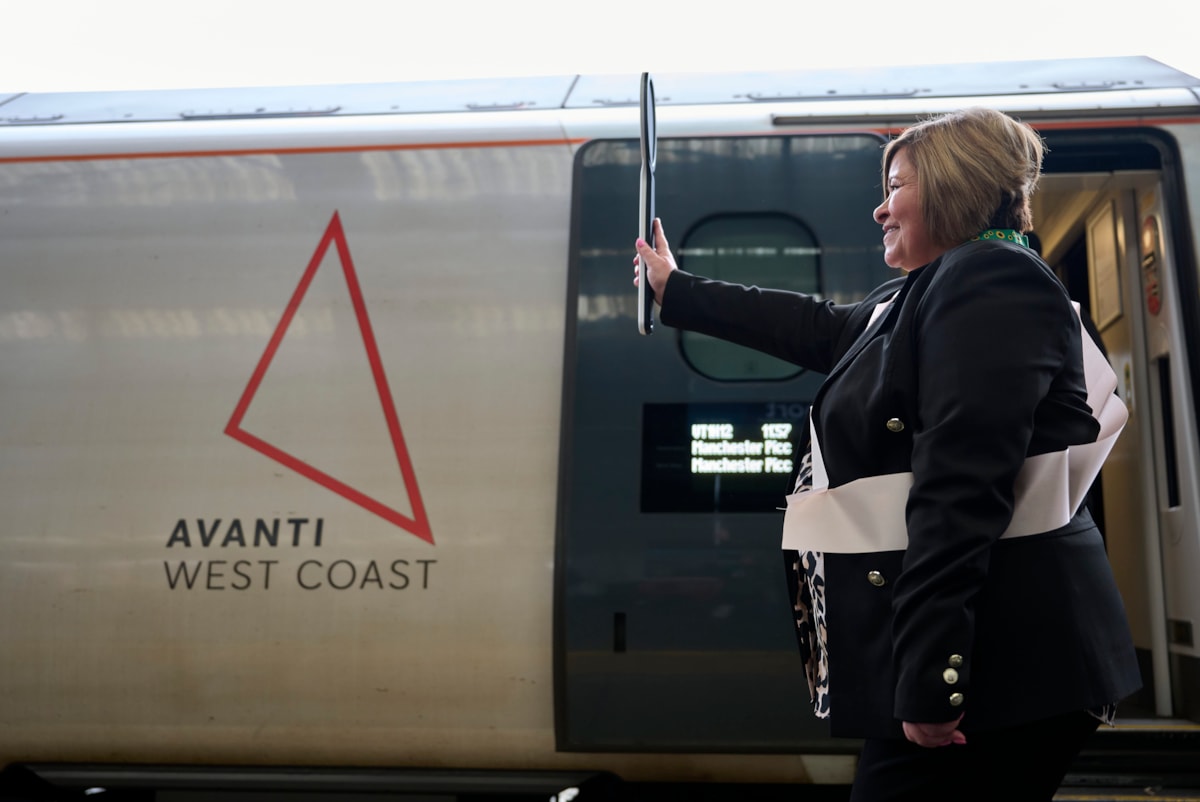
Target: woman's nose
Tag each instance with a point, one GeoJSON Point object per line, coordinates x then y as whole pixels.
{"type": "Point", "coordinates": [880, 214]}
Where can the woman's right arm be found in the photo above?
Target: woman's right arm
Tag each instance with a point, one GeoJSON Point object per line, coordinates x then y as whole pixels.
{"type": "Point", "coordinates": [791, 326]}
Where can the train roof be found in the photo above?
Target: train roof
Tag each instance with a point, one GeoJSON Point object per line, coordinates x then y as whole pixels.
{"type": "Point", "coordinates": [1058, 77]}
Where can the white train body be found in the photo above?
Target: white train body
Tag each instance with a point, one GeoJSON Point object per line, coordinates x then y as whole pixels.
{"type": "Point", "coordinates": [303, 407]}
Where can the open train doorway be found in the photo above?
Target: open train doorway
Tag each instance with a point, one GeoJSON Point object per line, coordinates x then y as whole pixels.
{"type": "Point", "coordinates": [1109, 215]}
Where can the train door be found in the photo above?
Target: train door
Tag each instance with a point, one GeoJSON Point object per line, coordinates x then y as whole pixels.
{"type": "Point", "coordinates": [1111, 234]}
{"type": "Point", "coordinates": [673, 626]}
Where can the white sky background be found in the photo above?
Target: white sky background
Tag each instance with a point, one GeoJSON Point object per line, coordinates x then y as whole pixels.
{"type": "Point", "coordinates": [79, 45]}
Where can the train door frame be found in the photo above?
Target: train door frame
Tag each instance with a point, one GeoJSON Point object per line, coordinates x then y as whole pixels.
{"type": "Point", "coordinates": [1132, 194]}
{"type": "Point", "coordinates": [1109, 218]}
{"type": "Point", "coordinates": [1173, 482]}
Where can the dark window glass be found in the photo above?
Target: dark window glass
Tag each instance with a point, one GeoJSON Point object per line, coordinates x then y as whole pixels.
{"type": "Point", "coordinates": [768, 250]}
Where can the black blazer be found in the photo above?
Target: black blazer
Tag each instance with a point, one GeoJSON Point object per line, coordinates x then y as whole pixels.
{"type": "Point", "coordinates": [979, 356]}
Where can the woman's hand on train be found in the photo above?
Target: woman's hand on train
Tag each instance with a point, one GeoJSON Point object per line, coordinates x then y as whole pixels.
{"type": "Point", "coordinates": [659, 261]}
{"type": "Point", "coordinates": [934, 735]}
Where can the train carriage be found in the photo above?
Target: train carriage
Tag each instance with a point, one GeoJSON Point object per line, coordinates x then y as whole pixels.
{"type": "Point", "coordinates": [329, 439]}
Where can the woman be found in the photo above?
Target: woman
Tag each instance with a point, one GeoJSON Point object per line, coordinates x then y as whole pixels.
{"type": "Point", "coordinates": [962, 614]}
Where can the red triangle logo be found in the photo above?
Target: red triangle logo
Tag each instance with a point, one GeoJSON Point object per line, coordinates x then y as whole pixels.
{"type": "Point", "coordinates": [418, 524]}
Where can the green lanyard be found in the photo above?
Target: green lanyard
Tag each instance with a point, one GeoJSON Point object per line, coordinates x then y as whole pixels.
{"type": "Point", "coordinates": [1003, 233]}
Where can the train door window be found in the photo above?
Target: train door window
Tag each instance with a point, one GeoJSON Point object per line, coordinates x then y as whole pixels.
{"type": "Point", "coordinates": [771, 250]}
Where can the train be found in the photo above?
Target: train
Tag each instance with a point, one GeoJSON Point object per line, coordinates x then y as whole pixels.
{"type": "Point", "coordinates": [329, 439]}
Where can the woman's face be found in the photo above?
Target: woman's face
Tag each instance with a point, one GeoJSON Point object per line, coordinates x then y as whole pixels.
{"type": "Point", "coordinates": [906, 241]}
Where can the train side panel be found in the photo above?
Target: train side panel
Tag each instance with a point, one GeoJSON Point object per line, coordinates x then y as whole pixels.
{"type": "Point", "coordinates": [305, 418]}
{"type": "Point", "coordinates": [279, 454]}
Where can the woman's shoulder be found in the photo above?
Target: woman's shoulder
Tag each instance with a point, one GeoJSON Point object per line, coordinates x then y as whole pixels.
{"type": "Point", "coordinates": [999, 252]}
{"type": "Point", "coordinates": [997, 264]}
{"type": "Point", "coordinates": [994, 284]}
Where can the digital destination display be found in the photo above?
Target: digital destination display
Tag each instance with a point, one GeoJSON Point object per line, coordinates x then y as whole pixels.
{"type": "Point", "coordinates": [719, 457]}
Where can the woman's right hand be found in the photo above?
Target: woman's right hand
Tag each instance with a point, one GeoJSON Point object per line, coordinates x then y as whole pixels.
{"type": "Point", "coordinates": [932, 736]}
{"type": "Point", "coordinates": [659, 261]}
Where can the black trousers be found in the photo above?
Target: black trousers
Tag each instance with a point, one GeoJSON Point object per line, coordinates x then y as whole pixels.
{"type": "Point", "coordinates": [1017, 764]}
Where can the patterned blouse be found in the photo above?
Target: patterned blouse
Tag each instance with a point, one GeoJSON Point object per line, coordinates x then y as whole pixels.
{"type": "Point", "coordinates": [806, 584]}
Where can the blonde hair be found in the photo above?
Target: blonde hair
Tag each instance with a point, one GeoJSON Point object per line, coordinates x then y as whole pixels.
{"type": "Point", "coordinates": [976, 169]}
